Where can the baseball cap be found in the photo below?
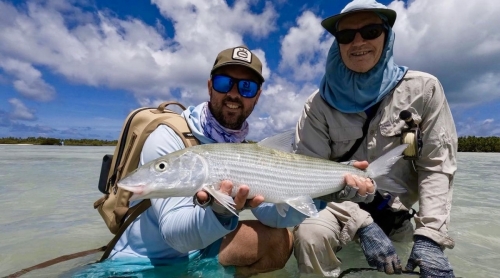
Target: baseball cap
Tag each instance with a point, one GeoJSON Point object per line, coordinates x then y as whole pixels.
{"type": "Point", "coordinates": [239, 55]}
{"type": "Point", "coordinates": [330, 23]}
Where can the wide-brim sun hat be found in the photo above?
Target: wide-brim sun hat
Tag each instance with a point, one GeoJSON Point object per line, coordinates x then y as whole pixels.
{"type": "Point", "coordinates": [330, 23]}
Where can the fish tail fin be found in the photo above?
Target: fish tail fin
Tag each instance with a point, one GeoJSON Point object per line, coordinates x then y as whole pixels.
{"type": "Point", "coordinates": [225, 200]}
{"type": "Point", "coordinates": [382, 165]}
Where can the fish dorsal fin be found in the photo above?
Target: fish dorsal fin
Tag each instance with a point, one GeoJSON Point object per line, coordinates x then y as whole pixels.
{"type": "Point", "coordinates": [225, 200]}
{"type": "Point", "coordinates": [303, 204]}
{"type": "Point", "coordinates": [282, 141]}
{"type": "Point", "coordinates": [282, 209]}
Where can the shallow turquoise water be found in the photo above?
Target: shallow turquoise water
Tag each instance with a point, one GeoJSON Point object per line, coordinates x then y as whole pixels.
{"type": "Point", "coordinates": [48, 194]}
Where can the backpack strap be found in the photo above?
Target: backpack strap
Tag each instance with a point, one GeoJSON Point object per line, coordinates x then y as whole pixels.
{"type": "Point", "coordinates": [187, 137]}
{"type": "Point", "coordinates": [56, 260]}
{"type": "Point", "coordinates": [180, 125]}
{"type": "Point", "coordinates": [132, 214]}
{"type": "Point", "coordinates": [163, 105]}
{"type": "Point", "coordinates": [370, 114]}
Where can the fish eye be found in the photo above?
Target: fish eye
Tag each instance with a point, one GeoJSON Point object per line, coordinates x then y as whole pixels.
{"type": "Point", "coordinates": [161, 166]}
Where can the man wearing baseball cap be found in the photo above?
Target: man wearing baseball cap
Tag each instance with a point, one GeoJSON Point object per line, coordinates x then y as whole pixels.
{"type": "Point", "coordinates": [204, 237]}
{"type": "Point", "coordinates": [355, 116]}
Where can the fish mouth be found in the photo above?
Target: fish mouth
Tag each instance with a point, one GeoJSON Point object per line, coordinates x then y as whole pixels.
{"type": "Point", "coordinates": [138, 191]}
{"type": "Point", "coordinates": [134, 197]}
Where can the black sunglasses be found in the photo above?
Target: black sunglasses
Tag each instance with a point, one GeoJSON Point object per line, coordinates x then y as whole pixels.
{"type": "Point", "coordinates": [224, 84]}
{"type": "Point", "coordinates": [368, 32]}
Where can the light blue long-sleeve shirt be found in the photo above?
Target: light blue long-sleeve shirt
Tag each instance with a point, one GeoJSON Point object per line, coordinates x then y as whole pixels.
{"type": "Point", "coordinates": [174, 227]}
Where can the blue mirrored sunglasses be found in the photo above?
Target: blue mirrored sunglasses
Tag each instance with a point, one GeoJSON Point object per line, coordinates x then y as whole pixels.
{"type": "Point", "coordinates": [224, 84]}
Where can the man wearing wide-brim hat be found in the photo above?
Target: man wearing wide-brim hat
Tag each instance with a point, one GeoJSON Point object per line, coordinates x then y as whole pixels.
{"type": "Point", "coordinates": [355, 116]}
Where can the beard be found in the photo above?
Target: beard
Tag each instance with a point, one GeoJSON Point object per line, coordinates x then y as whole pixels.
{"type": "Point", "coordinates": [233, 119]}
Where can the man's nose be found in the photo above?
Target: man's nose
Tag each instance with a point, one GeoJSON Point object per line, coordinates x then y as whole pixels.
{"type": "Point", "coordinates": [358, 38]}
{"type": "Point", "coordinates": [234, 91]}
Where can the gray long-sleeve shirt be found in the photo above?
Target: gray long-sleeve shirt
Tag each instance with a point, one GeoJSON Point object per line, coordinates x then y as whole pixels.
{"type": "Point", "coordinates": [323, 131]}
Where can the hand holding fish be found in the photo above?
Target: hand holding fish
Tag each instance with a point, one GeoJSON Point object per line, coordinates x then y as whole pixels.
{"type": "Point", "coordinates": [364, 185]}
{"type": "Point", "coordinates": [358, 189]}
{"type": "Point", "coordinates": [241, 199]}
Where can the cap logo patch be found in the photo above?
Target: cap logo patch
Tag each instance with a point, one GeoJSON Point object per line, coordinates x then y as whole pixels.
{"type": "Point", "coordinates": [242, 54]}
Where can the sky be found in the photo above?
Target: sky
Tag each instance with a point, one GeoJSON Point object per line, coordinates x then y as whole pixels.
{"type": "Point", "coordinates": [76, 68]}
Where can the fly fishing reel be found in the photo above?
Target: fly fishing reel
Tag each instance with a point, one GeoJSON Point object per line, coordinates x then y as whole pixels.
{"type": "Point", "coordinates": [411, 136]}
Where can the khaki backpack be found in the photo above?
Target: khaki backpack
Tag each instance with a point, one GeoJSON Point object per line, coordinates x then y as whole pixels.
{"type": "Point", "coordinates": [114, 205]}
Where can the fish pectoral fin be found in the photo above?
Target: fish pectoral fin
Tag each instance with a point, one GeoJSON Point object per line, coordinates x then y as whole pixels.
{"type": "Point", "coordinates": [303, 204]}
{"type": "Point", "coordinates": [282, 208]}
{"type": "Point", "coordinates": [223, 199]}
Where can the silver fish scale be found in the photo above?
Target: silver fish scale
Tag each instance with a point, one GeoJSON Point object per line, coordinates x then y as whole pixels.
{"type": "Point", "coordinates": [273, 174]}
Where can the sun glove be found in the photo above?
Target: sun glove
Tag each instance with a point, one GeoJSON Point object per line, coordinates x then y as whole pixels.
{"type": "Point", "coordinates": [430, 258]}
{"type": "Point", "coordinates": [379, 250]}
{"type": "Point", "coordinates": [349, 193]}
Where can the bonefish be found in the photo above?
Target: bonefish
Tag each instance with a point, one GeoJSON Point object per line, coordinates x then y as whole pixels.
{"type": "Point", "coordinates": [281, 177]}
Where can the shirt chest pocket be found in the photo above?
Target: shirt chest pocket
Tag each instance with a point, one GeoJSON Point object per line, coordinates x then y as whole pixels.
{"type": "Point", "coordinates": [343, 139]}
{"type": "Point", "coordinates": [390, 123]}
{"type": "Point", "coordinates": [388, 129]}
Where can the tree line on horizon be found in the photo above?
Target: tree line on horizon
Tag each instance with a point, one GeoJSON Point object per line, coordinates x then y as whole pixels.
{"type": "Point", "coordinates": [479, 144]}
{"type": "Point", "coordinates": [465, 144]}
{"type": "Point", "coordinates": [56, 141]}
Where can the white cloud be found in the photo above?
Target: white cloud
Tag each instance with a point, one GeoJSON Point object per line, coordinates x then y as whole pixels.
{"type": "Point", "coordinates": [279, 107]}
{"type": "Point", "coordinates": [27, 80]}
{"type": "Point", "coordinates": [303, 53]}
{"type": "Point", "coordinates": [475, 127]}
{"type": "Point", "coordinates": [200, 22]}
{"type": "Point", "coordinates": [304, 48]}
{"type": "Point", "coordinates": [488, 121]}
{"type": "Point", "coordinates": [457, 41]}
{"type": "Point", "coordinates": [20, 111]}
{"type": "Point", "coordinates": [266, 71]}
{"type": "Point", "coordinates": [102, 50]}
{"type": "Point", "coordinates": [481, 89]}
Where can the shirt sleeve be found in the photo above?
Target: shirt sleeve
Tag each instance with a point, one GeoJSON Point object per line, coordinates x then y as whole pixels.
{"type": "Point", "coordinates": [182, 225]}
{"type": "Point", "coordinates": [437, 166]}
{"type": "Point", "coordinates": [268, 215]}
{"type": "Point", "coordinates": [186, 227]}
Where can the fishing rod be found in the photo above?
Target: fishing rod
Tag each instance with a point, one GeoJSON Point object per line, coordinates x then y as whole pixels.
{"type": "Point", "coordinates": [363, 269]}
